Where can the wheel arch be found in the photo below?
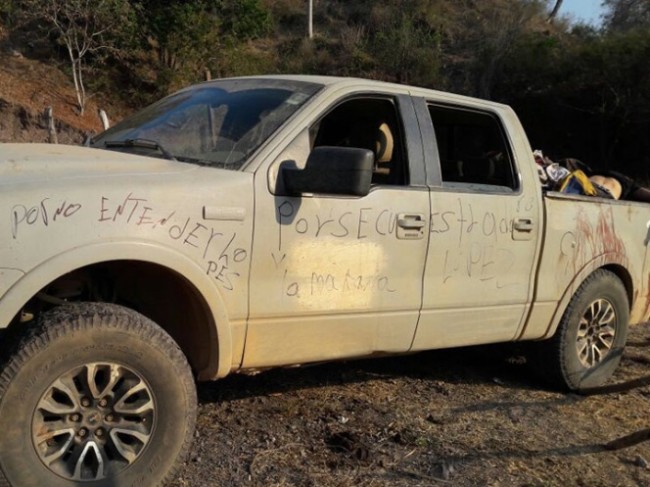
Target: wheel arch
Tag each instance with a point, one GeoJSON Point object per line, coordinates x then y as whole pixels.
{"type": "Point", "coordinates": [612, 262]}
{"type": "Point", "coordinates": [626, 278]}
{"type": "Point", "coordinates": [209, 329]}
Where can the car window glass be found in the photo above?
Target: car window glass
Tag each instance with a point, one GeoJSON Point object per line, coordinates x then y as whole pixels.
{"type": "Point", "coordinates": [219, 123]}
{"type": "Point", "coordinates": [367, 123]}
{"type": "Point", "coordinates": [473, 148]}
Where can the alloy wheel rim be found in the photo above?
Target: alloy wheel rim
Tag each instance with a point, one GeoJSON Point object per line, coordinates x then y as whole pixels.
{"type": "Point", "coordinates": [596, 332]}
{"type": "Point", "coordinates": [93, 421]}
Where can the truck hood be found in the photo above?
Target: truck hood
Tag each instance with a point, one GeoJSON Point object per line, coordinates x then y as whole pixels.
{"type": "Point", "coordinates": [34, 162]}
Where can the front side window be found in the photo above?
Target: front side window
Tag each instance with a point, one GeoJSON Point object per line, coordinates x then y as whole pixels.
{"type": "Point", "coordinates": [473, 149]}
{"type": "Point", "coordinates": [217, 124]}
{"type": "Point", "coordinates": [367, 123]}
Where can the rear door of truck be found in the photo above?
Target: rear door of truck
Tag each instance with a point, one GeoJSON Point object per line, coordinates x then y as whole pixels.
{"type": "Point", "coordinates": [486, 222]}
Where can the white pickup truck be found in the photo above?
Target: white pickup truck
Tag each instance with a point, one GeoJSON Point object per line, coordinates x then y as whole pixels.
{"type": "Point", "coordinates": [257, 222]}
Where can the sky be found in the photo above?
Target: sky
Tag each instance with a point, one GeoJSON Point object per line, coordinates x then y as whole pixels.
{"type": "Point", "coordinates": [585, 10]}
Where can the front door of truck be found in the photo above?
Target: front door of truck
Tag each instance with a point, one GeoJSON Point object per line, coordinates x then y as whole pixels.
{"type": "Point", "coordinates": [484, 230]}
{"type": "Point", "coordinates": [340, 275]}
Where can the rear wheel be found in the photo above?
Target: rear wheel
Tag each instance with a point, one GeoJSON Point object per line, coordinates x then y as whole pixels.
{"type": "Point", "coordinates": [590, 339]}
{"type": "Point", "coordinates": [95, 394]}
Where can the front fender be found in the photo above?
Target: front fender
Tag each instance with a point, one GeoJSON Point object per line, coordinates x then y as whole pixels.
{"type": "Point", "coordinates": [52, 268]}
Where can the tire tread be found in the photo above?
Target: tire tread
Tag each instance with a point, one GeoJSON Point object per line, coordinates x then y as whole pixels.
{"type": "Point", "coordinates": [548, 357]}
{"type": "Point", "coordinates": [78, 317]}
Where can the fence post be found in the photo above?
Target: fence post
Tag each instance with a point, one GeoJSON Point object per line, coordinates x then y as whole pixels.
{"type": "Point", "coordinates": [104, 118]}
{"type": "Point", "coordinates": [51, 128]}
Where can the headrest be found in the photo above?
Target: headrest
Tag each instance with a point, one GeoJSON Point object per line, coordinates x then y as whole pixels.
{"type": "Point", "coordinates": [613, 186]}
{"type": "Point", "coordinates": [385, 144]}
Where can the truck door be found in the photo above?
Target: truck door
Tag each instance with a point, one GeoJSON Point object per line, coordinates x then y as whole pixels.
{"type": "Point", "coordinates": [478, 281]}
{"type": "Point", "coordinates": [340, 276]}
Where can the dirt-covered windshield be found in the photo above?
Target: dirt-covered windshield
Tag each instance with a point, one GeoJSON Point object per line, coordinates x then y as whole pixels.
{"type": "Point", "coordinates": [219, 123]}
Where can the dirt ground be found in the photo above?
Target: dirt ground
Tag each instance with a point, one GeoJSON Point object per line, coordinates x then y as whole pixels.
{"type": "Point", "coordinates": [468, 417]}
{"type": "Point", "coordinates": [28, 86]}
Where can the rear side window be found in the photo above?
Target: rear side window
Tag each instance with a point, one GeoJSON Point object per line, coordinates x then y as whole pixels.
{"type": "Point", "coordinates": [473, 149]}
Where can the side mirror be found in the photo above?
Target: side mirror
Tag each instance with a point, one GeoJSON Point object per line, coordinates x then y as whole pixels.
{"type": "Point", "coordinates": [332, 170]}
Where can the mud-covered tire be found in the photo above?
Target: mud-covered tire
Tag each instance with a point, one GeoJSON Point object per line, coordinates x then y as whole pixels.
{"type": "Point", "coordinates": [140, 426]}
{"type": "Point", "coordinates": [589, 342]}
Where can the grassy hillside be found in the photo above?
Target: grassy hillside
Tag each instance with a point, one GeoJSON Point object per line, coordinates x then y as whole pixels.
{"type": "Point", "coordinates": [580, 91]}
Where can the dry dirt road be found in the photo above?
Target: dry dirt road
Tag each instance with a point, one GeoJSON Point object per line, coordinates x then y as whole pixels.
{"type": "Point", "coordinates": [469, 417]}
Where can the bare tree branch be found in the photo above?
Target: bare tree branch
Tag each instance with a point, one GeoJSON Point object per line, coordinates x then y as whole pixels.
{"type": "Point", "coordinates": [83, 26]}
{"type": "Point", "coordinates": [554, 12]}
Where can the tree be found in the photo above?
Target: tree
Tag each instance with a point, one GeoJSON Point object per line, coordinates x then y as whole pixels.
{"type": "Point", "coordinates": [405, 42]}
{"type": "Point", "coordinates": [84, 27]}
{"type": "Point", "coordinates": [480, 36]}
{"type": "Point", "coordinates": [244, 19]}
{"type": "Point", "coordinates": [555, 11]}
{"type": "Point", "coordinates": [6, 8]}
{"type": "Point", "coordinates": [623, 15]}
{"type": "Point", "coordinates": [189, 37]}
{"type": "Point", "coordinates": [179, 31]}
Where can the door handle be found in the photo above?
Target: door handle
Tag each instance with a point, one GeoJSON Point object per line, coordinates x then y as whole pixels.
{"type": "Point", "coordinates": [523, 225]}
{"type": "Point", "coordinates": [410, 226]}
{"type": "Point", "coordinates": [410, 221]}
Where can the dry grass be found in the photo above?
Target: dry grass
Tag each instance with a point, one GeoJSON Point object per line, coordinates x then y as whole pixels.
{"type": "Point", "coordinates": [458, 417]}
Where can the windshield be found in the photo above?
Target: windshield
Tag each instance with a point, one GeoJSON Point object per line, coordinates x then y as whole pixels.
{"type": "Point", "coordinates": [218, 124]}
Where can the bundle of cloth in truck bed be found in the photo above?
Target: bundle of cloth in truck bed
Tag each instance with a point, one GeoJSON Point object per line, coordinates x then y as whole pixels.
{"type": "Point", "coordinates": [575, 177]}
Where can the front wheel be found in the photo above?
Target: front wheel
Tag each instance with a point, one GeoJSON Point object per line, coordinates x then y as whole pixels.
{"type": "Point", "coordinates": [97, 395]}
{"type": "Point", "coordinates": [590, 339]}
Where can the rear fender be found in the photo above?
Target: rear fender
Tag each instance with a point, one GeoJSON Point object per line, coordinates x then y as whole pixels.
{"type": "Point", "coordinates": [603, 260]}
